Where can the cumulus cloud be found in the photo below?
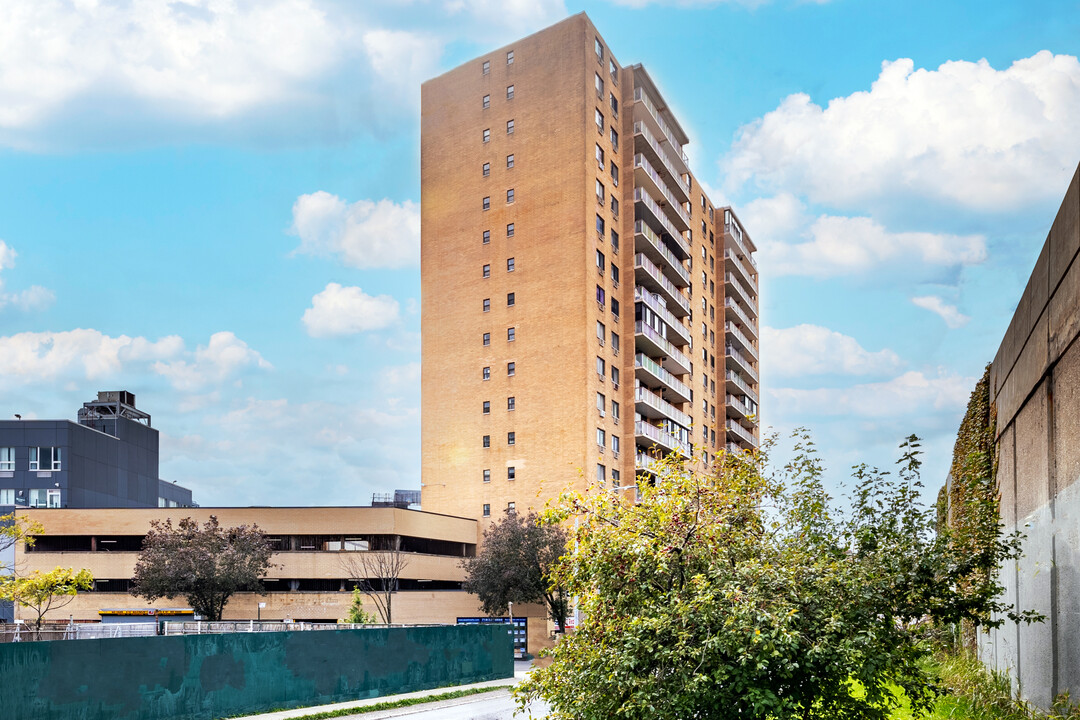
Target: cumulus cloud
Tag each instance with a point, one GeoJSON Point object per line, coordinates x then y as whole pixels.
{"type": "Point", "coordinates": [953, 318]}
{"type": "Point", "coordinates": [816, 350]}
{"type": "Point", "coordinates": [402, 60]}
{"type": "Point", "coordinates": [966, 133]}
{"type": "Point", "coordinates": [214, 363]}
{"type": "Point", "coordinates": [912, 393]}
{"type": "Point", "coordinates": [511, 15]}
{"type": "Point", "coordinates": [33, 298]}
{"type": "Point", "coordinates": [339, 310]}
{"type": "Point", "coordinates": [829, 246]}
{"type": "Point", "coordinates": [80, 354]}
{"type": "Point", "coordinates": [364, 234]}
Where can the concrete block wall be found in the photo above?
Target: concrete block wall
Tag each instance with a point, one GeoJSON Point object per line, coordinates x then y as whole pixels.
{"type": "Point", "coordinates": [1035, 385]}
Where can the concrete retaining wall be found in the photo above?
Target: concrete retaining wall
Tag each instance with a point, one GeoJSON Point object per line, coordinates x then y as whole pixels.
{"type": "Point", "coordinates": [198, 677]}
{"type": "Point", "coordinates": [1035, 384]}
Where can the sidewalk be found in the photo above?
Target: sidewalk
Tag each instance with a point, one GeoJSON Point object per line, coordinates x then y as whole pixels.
{"type": "Point", "coordinates": [521, 667]}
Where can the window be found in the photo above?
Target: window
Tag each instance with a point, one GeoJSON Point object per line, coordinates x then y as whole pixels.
{"type": "Point", "coordinates": [487, 304]}
{"type": "Point", "coordinates": [487, 407]}
{"type": "Point", "coordinates": [614, 478]}
{"type": "Point", "coordinates": [7, 458]}
{"type": "Point", "coordinates": [615, 343]}
{"type": "Point", "coordinates": [614, 206]}
{"type": "Point", "coordinates": [487, 134]}
{"type": "Point", "coordinates": [601, 332]}
{"type": "Point", "coordinates": [487, 169]}
{"type": "Point", "coordinates": [615, 274]}
{"type": "Point", "coordinates": [614, 374]}
{"type": "Point", "coordinates": [44, 498]}
{"type": "Point", "coordinates": [601, 262]}
{"type": "Point", "coordinates": [510, 57]}
{"type": "Point", "coordinates": [487, 67]}
{"type": "Point", "coordinates": [614, 70]}
{"type": "Point", "coordinates": [509, 127]}
{"type": "Point", "coordinates": [601, 473]}
{"type": "Point", "coordinates": [510, 195]}
{"type": "Point", "coordinates": [511, 507]}
{"type": "Point", "coordinates": [7, 496]}
{"type": "Point", "coordinates": [614, 139]}
{"type": "Point", "coordinates": [487, 339]}
{"type": "Point", "coordinates": [509, 264]}
{"type": "Point", "coordinates": [599, 121]}
{"type": "Point", "coordinates": [487, 101]}
{"type": "Point", "coordinates": [487, 444]}
{"type": "Point", "coordinates": [487, 373]}
{"type": "Point", "coordinates": [599, 50]}
{"type": "Point", "coordinates": [614, 105]}
{"type": "Point", "coordinates": [511, 438]}
{"type": "Point", "coordinates": [511, 334]}
{"type": "Point", "coordinates": [509, 299]}
{"type": "Point", "coordinates": [510, 473]}
{"type": "Point", "coordinates": [487, 510]}
{"type": "Point", "coordinates": [487, 203]}
{"type": "Point", "coordinates": [510, 161]}
{"type": "Point", "coordinates": [487, 473]}
{"type": "Point", "coordinates": [600, 297]}
{"type": "Point", "coordinates": [510, 230]}
{"type": "Point", "coordinates": [509, 92]}
{"type": "Point", "coordinates": [599, 156]}
{"type": "Point", "coordinates": [600, 227]}
{"type": "Point", "coordinates": [614, 173]}
{"type": "Point", "coordinates": [601, 437]}
{"type": "Point", "coordinates": [615, 443]}
{"type": "Point", "coordinates": [510, 403]}
{"type": "Point", "coordinates": [487, 236]}
{"type": "Point", "coordinates": [511, 369]}
{"type": "Point", "coordinates": [45, 458]}
{"type": "Point", "coordinates": [601, 403]}
{"type": "Point", "coordinates": [600, 193]}
{"type": "Point", "coordinates": [600, 367]}
{"type": "Point", "coordinates": [487, 271]}
{"type": "Point", "coordinates": [599, 86]}
{"type": "Point", "coordinates": [615, 312]}
{"type": "Point", "coordinates": [614, 241]}
{"type": "Point", "coordinates": [615, 410]}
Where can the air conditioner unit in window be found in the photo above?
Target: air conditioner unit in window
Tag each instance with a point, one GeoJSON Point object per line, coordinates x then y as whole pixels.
{"type": "Point", "coordinates": [601, 341]}
{"type": "Point", "coordinates": [600, 448]}
{"type": "Point", "coordinates": [600, 270]}
{"type": "Point", "coordinates": [615, 351]}
{"type": "Point", "coordinates": [615, 454]}
{"type": "Point", "coordinates": [600, 307]}
{"type": "Point", "coordinates": [615, 283]}
{"type": "Point", "coordinates": [601, 413]}
{"type": "Point", "coordinates": [615, 385]}
{"type": "Point", "coordinates": [615, 420]}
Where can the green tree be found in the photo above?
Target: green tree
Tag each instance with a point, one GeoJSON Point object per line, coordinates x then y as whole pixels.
{"type": "Point", "coordinates": [204, 565]}
{"type": "Point", "coordinates": [746, 594]}
{"type": "Point", "coordinates": [515, 565]}
{"type": "Point", "coordinates": [42, 592]}
{"type": "Point", "coordinates": [15, 529]}
{"type": "Point", "coordinates": [357, 615]}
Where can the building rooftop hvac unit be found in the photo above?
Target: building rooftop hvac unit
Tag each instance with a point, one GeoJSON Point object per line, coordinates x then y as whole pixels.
{"type": "Point", "coordinates": [110, 405]}
{"type": "Point", "coordinates": [398, 499]}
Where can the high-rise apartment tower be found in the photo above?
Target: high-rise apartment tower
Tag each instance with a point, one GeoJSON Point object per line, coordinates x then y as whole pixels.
{"type": "Point", "coordinates": [585, 306]}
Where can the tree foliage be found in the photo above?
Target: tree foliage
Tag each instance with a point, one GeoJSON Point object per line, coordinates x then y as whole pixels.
{"type": "Point", "coordinates": [357, 615]}
{"type": "Point", "coordinates": [15, 529]}
{"type": "Point", "coordinates": [376, 573]}
{"type": "Point", "coordinates": [746, 594]}
{"type": "Point", "coordinates": [515, 565]}
{"type": "Point", "coordinates": [204, 565]}
{"type": "Point", "coordinates": [42, 592]}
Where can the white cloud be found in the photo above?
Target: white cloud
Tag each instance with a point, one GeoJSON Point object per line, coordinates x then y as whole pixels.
{"type": "Point", "coordinates": [512, 15]}
{"type": "Point", "coordinates": [363, 234]}
{"type": "Point", "coordinates": [402, 61]}
{"type": "Point", "coordinates": [952, 317]}
{"type": "Point", "coordinates": [816, 350]}
{"type": "Point", "coordinates": [341, 310]}
{"type": "Point", "coordinates": [33, 298]}
{"type": "Point", "coordinates": [966, 133]}
{"type": "Point", "coordinates": [792, 244]}
{"type": "Point", "coordinates": [212, 364]}
{"type": "Point", "coordinates": [76, 354]}
{"type": "Point", "coordinates": [912, 394]}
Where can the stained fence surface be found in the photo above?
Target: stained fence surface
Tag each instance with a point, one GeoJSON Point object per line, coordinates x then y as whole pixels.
{"type": "Point", "coordinates": [197, 677]}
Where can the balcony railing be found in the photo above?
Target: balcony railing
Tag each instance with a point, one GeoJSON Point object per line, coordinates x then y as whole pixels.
{"type": "Point", "coordinates": [651, 302]}
{"type": "Point", "coordinates": [733, 258]}
{"type": "Point", "coordinates": [640, 196]}
{"type": "Point", "coordinates": [645, 396]}
{"type": "Point", "coordinates": [660, 437]}
{"type": "Point", "coordinates": [646, 170]}
{"type": "Point", "coordinates": [749, 300]}
{"type": "Point", "coordinates": [733, 231]}
{"type": "Point", "coordinates": [667, 288]}
{"type": "Point", "coordinates": [673, 384]}
{"type": "Point", "coordinates": [645, 462]}
{"type": "Point", "coordinates": [741, 407]}
{"type": "Point", "coordinates": [732, 330]}
{"type": "Point", "coordinates": [642, 131]}
{"type": "Point", "coordinates": [733, 448]}
{"type": "Point", "coordinates": [669, 136]}
{"type": "Point", "coordinates": [749, 323]}
{"type": "Point", "coordinates": [736, 379]}
{"type": "Point", "coordinates": [670, 264]}
{"type": "Point", "coordinates": [732, 352]}
{"type": "Point", "coordinates": [740, 432]}
{"type": "Point", "coordinates": [674, 360]}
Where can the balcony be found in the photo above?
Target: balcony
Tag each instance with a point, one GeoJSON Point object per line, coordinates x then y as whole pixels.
{"type": "Point", "coordinates": [646, 176]}
{"type": "Point", "coordinates": [648, 242]}
{"type": "Point", "coordinates": [737, 361]}
{"type": "Point", "coordinates": [645, 463]}
{"type": "Point", "coordinates": [649, 276]}
{"type": "Point", "coordinates": [654, 303]}
{"type": "Point", "coordinates": [740, 432]}
{"type": "Point", "coordinates": [650, 148]}
{"type": "Point", "coordinates": [733, 262]}
{"type": "Point", "coordinates": [734, 232]}
{"type": "Point", "coordinates": [649, 404]}
{"type": "Point", "coordinates": [648, 435]}
{"type": "Point", "coordinates": [654, 345]}
{"type": "Point", "coordinates": [743, 294]}
{"type": "Point", "coordinates": [733, 448]}
{"type": "Point", "coordinates": [650, 211]}
{"type": "Point", "coordinates": [645, 110]}
{"type": "Point", "coordinates": [650, 373]}
{"type": "Point", "coordinates": [736, 312]}
{"type": "Point", "coordinates": [735, 383]}
{"type": "Point", "coordinates": [734, 333]}
{"type": "Point", "coordinates": [741, 410]}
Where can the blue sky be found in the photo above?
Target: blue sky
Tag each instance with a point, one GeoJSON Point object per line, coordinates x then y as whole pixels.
{"type": "Point", "coordinates": [214, 204]}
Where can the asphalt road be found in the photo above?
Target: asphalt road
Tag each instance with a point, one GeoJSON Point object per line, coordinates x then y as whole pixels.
{"type": "Point", "coordinates": [496, 705]}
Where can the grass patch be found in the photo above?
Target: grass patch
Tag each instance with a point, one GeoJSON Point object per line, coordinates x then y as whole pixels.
{"type": "Point", "coordinates": [388, 705]}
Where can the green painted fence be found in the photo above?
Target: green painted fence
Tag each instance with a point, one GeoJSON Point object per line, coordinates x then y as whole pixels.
{"type": "Point", "coordinates": [198, 677]}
